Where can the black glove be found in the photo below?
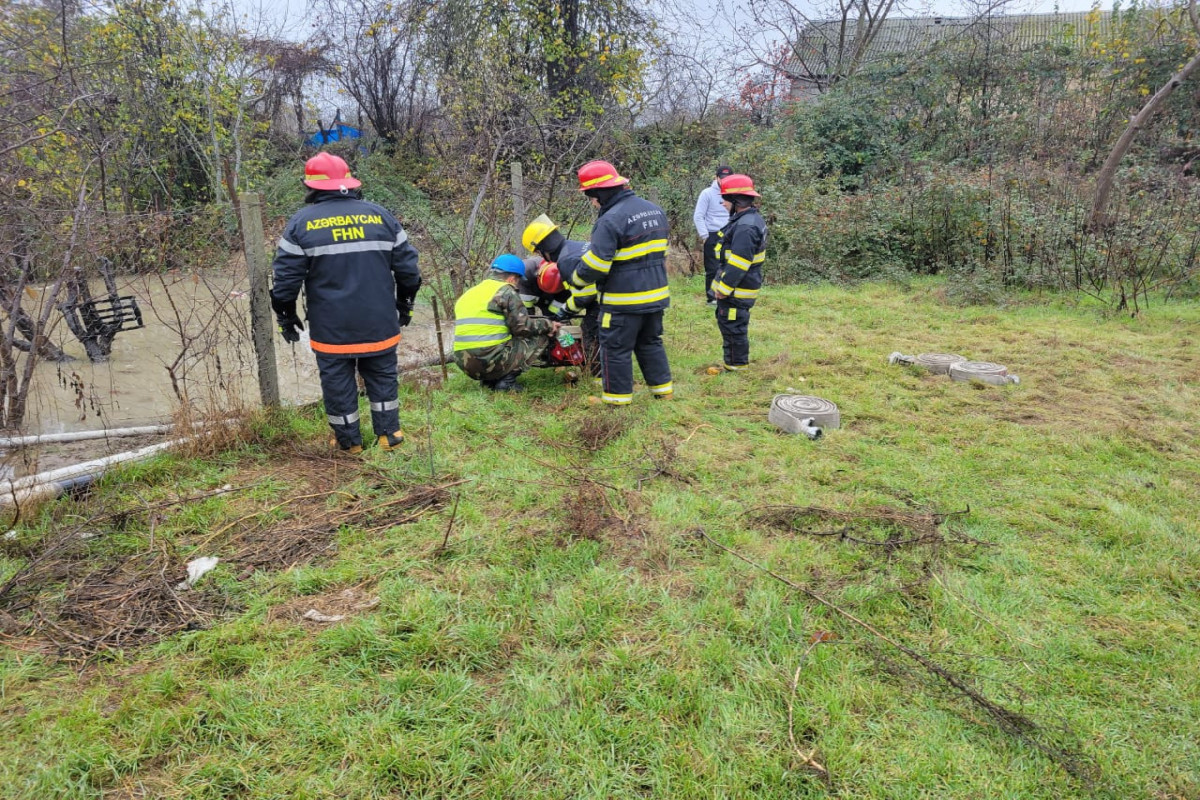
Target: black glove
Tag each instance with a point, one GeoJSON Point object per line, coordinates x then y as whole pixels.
{"type": "Point", "coordinates": [290, 326]}
{"type": "Point", "coordinates": [287, 319]}
{"type": "Point", "coordinates": [562, 315]}
{"type": "Point", "coordinates": [404, 309]}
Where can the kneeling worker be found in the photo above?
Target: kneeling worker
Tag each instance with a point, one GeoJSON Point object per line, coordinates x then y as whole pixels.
{"type": "Point", "coordinates": [495, 339]}
{"type": "Point", "coordinates": [553, 281]}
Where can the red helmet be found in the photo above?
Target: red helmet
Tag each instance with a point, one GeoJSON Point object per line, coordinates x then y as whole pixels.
{"type": "Point", "coordinates": [738, 184]}
{"type": "Point", "coordinates": [599, 175]}
{"type": "Point", "coordinates": [327, 171]}
{"type": "Point", "coordinates": [549, 280]}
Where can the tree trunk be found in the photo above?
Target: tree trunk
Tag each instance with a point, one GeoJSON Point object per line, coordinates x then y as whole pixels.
{"type": "Point", "coordinates": [1104, 179]}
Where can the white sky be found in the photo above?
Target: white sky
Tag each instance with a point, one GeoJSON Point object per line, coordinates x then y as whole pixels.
{"type": "Point", "coordinates": [291, 13]}
{"type": "Point", "coordinates": [289, 19]}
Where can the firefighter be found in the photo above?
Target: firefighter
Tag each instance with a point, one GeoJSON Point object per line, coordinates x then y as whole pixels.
{"type": "Point", "coordinates": [741, 251]}
{"type": "Point", "coordinates": [558, 260]}
{"type": "Point", "coordinates": [495, 339]}
{"type": "Point", "coordinates": [360, 278]}
{"type": "Point", "coordinates": [626, 262]}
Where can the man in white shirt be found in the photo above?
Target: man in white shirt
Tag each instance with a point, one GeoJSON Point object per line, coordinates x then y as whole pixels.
{"type": "Point", "coordinates": [710, 217]}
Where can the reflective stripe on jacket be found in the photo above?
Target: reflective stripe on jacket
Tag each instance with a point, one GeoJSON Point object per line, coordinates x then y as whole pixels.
{"type": "Point", "coordinates": [474, 325]}
{"type": "Point", "coordinates": [627, 256]}
{"type": "Point", "coordinates": [353, 260]}
{"type": "Point", "coordinates": [741, 251]}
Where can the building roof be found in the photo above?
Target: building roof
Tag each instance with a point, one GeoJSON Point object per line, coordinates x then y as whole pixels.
{"type": "Point", "coordinates": [816, 48]}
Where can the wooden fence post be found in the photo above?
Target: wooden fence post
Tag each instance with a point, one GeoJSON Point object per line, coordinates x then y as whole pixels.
{"type": "Point", "coordinates": [518, 198]}
{"type": "Point", "coordinates": [262, 328]}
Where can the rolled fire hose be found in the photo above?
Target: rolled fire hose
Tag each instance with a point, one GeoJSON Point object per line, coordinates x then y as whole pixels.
{"type": "Point", "coordinates": [801, 413]}
{"type": "Point", "coordinates": [983, 371]}
{"type": "Point", "coordinates": [937, 363]}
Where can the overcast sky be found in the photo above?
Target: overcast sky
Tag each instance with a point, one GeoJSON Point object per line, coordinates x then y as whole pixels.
{"type": "Point", "coordinates": [291, 12]}
{"type": "Point", "coordinates": [695, 26]}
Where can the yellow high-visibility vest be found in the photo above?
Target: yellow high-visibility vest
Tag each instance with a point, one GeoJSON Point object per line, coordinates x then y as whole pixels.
{"type": "Point", "coordinates": [474, 325]}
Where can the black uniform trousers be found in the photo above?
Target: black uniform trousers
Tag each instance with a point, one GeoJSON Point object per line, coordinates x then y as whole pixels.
{"type": "Point", "coordinates": [623, 336]}
{"type": "Point", "coordinates": [734, 324]}
{"type": "Point", "coordinates": [591, 339]}
{"type": "Point", "coordinates": [711, 263]}
{"type": "Point", "coordinates": [340, 391]}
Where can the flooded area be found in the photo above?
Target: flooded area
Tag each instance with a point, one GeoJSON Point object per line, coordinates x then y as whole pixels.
{"type": "Point", "coordinates": [196, 345]}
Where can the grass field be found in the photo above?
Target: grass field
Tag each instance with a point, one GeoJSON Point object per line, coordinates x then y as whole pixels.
{"type": "Point", "coordinates": [578, 637]}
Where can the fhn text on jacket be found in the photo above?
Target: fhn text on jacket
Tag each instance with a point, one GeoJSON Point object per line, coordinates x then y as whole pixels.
{"type": "Point", "coordinates": [360, 278]}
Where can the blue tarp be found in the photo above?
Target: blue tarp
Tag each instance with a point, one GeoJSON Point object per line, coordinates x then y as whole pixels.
{"type": "Point", "coordinates": [338, 132]}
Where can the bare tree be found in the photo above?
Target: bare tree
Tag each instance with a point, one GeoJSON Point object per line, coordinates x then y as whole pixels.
{"type": "Point", "coordinates": [372, 49]}
{"type": "Point", "coordinates": [825, 43]}
{"type": "Point", "coordinates": [691, 68]}
{"type": "Point", "coordinates": [1107, 173]}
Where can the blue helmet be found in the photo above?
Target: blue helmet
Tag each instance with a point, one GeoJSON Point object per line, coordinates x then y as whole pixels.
{"type": "Point", "coordinates": [509, 263]}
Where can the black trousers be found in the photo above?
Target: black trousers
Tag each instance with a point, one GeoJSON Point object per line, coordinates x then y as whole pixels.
{"type": "Point", "coordinates": [623, 336]}
{"type": "Point", "coordinates": [711, 263]}
{"type": "Point", "coordinates": [734, 324]}
{"type": "Point", "coordinates": [340, 391]}
{"type": "Point", "coordinates": [591, 339]}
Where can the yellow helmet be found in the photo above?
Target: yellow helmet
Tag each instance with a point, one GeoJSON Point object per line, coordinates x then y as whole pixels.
{"type": "Point", "coordinates": [537, 231]}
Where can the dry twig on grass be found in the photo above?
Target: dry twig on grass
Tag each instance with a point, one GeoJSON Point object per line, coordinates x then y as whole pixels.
{"type": "Point", "coordinates": [808, 758]}
{"type": "Point", "coordinates": [449, 528]}
{"type": "Point", "coordinates": [127, 604]}
{"type": "Point", "coordinates": [1011, 722]}
{"type": "Point", "coordinates": [127, 601]}
{"type": "Point", "coordinates": [596, 431]}
{"type": "Point", "coordinates": [903, 528]}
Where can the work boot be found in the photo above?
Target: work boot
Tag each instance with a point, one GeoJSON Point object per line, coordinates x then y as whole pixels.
{"type": "Point", "coordinates": [488, 385]}
{"type": "Point", "coordinates": [391, 441]}
{"type": "Point", "coordinates": [352, 449]}
{"type": "Point", "coordinates": [509, 383]}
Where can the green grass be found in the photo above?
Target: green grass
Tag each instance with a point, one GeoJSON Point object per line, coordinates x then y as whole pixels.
{"type": "Point", "coordinates": [538, 657]}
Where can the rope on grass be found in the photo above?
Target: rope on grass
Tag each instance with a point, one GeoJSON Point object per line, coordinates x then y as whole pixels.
{"type": "Point", "coordinates": [983, 371]}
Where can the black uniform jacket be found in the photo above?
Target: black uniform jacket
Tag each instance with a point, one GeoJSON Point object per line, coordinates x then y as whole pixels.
{"type": "Point", "coordinates": [741, 250]}
{"type": "Point", "coordinates": [627, 257]}
{"type": "Point", "coordinates": [354, 261]}
{"type": "Point", "coordinates": [573, 298]}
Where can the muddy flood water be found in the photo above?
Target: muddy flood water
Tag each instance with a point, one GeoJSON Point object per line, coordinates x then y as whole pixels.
{"type": "Point", "coordinates": [197, 327]}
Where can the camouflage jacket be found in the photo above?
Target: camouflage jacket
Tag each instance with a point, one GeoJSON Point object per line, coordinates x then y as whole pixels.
{"type": "Point", "coordinates": [530, 339]}
{"type": "Point", "coordinates": [508, 302]}
{"type": "Point", "coordinates": [520, 325]}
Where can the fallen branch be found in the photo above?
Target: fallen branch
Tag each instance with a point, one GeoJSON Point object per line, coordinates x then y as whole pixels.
{"type": "Point", "coordinates": [807, 758]}
{"type": "Point", "coordinates": [1011, 722]}
{"type": "Point", "coordinates": [449, 527]}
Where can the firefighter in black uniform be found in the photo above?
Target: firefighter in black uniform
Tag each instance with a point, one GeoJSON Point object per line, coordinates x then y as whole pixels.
{"type": "Point", "coordinates": [626, 261]}
{"type": "Point", "coordinates": [741, 250]}
{"type": "Point", "coordinates": [360, 277]}
{"type": "Point", "coordinates": [548, 284]}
